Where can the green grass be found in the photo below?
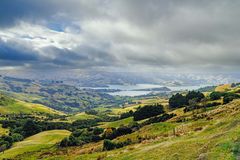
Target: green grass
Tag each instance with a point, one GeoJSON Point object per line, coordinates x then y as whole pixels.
{"type": "Point", "coordinates": [35, 143]}
{"type": "Point", "coordinates": [25, 107]}
{"type": "Point", "coordinates": [214, 135]}
{"type": "Point", "coordinates": [223, 88]}
{"type": "Point", "coordinates": [81, 116]}
{"type": "Point", "coordinates": [116, 124]}
{"type": "Point", "coordinates": [217, 138]}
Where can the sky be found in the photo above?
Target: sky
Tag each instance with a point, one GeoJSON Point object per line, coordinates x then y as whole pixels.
{"type": "Point", "coordinates": [120, 35]}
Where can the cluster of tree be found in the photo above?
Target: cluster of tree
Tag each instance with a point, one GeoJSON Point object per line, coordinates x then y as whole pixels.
{"type": "Point", "coordinates": [235, 85]}
{"type": "Point", "coordinates": [148, 111]}
{"type": "Point", "coordinates": [22, 128]}
{"type": "Point", "coordinates": [178, 100]}
{"type": "Point", "coordinates": [216, 95]}
{"type": "Point", "coordinates": [126, 114]}
{"type": "Point", "coordinates": [95, 134]}
{"type": "Point", "coordinates": [228, 97]}
{"type": "Point", "coordinates": [85, 123]}
{"type": "Point", "coordinates": [6, 141]}
{"type": "Point", "coordinates": [110, 145]}
{"type": "Point", "coordinates": [111, 133]}
{"type": "Point", "coordinates": [82, 136]}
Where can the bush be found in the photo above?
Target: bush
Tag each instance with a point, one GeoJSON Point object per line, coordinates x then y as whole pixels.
{"type": "Point", "coordinates": [17, 137]}
{"type": "Point", "coordinates": [147, 112]}
{"type": "Point", "coordinates": [109, 145]}
{"type": "Point", "coordinates": [97, 130]}
{"type": "Point", "coordinates": [70, 141]}
{"type": "Point", "coordinates": [30, 128]}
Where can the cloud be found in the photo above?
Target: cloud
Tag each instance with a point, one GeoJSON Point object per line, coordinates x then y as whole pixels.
{"type": "Point", "coordinates": [132, 35]}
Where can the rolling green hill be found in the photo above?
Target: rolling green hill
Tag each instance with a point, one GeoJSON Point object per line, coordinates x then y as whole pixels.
{"type": "Point", "coordinates": [43, 140]}
{"type": "Point", "coordinates": [201, 133]}
{"type": "Point", "coordinates": [12, 106]}
{"type": "Point", "coordinates": [216, 136]}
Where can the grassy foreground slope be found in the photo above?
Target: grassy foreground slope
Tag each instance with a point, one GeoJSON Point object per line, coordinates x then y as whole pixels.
{"type": "Point", "coordinates": [35, 143]}
{"type": "Point", "coordinates": [214, 136]}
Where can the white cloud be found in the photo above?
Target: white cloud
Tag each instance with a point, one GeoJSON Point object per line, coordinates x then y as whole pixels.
{"type": "Point", "coordinates": [168, 35]}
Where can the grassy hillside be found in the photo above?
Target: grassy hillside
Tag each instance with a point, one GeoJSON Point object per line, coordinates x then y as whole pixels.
{"type": "Point", "coordinates": [116, 123]}
{"type": "Point", "coordinates": [24, 107]}
{"type": "Point", "coordinates": [80, 116]}
{"type": "Point", "coordinates": [35, 143]}
{"type": "Point", "coordinates": [201, 133]}
{"type": "Point", "coordinates": [214, 134]}
{"type": "Point", "coordinates": [12, 106]}
{"type": "Point", "coordinates": [223, 88]}
{"type": "Point", "coordinates": [56, 94]}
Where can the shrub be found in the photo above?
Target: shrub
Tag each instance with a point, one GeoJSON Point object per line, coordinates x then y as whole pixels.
{"type": "Point", "coordinates": [97, 130]}
{"type": "Point", "coordinates": [17, 137]}
{"type": "Point", "coordinates": [108, 145]}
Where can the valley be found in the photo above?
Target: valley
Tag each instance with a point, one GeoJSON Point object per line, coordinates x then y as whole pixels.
{"type": "Point", "coordinates": [206, 124]}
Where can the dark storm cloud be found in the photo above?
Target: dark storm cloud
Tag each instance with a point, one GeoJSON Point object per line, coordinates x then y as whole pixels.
{"type": "Point", "coordinates": [12, 52]}
{"type": "Point", "coordinates": [193, 34]}
{"type": "Point", "coordinates": [83, 57]}
{"type": "Point", "coordinates": [48, 10]}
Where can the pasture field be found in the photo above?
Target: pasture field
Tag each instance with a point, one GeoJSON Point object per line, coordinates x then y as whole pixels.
{"type": "Point", "coordinates": [43, 140]}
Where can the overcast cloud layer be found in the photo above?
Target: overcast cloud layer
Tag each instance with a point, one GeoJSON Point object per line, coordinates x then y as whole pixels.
{"type": "Point", "coordinates": [155, 35]}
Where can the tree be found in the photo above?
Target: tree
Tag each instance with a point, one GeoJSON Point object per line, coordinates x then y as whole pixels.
{"type": "Point", "coordinates": [198, 96]}
{"type": "Point", "coordinates": [177, 101]}
{"type": "Point", "coordinates": [31, 128]}
{"type": "Point", "coordinates": [64, 142]}
{"type": "Point", "coordinates": [147, 112]}
{"type": "Point", "coordinates": [108, 132]}
{"type": "Point", "coordinates": [215, 95]}
{"type": "Point", "coordinates": [228, 97]}
{"type": "Point", "coordinates": [108, 145]}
